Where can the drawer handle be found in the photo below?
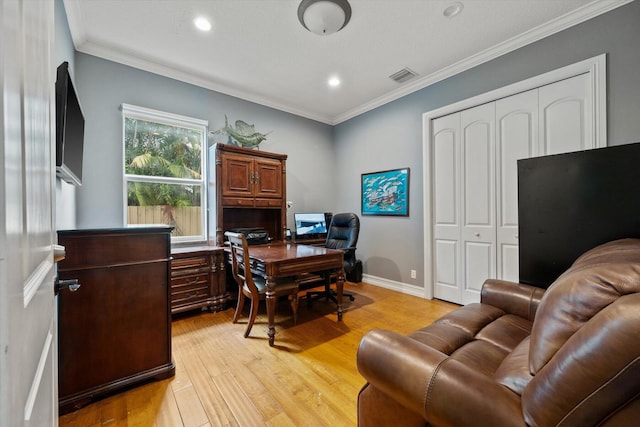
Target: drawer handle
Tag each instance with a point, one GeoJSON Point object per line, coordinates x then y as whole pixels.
{"type": "Point", "coordinates": [192, 281]}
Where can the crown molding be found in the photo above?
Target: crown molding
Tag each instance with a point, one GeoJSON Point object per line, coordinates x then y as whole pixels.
{"type": "Point", "coordinates": [82, 44]}
{"type": "Point", "coordinates": [563, 22]}
{"type": "Point", "coordinates": [135, 60]}
{"type": "Point", "coordinates": [76, 22]}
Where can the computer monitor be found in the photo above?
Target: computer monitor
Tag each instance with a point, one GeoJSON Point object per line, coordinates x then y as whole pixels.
{"type": "Point", "coordinates": [310, 225]}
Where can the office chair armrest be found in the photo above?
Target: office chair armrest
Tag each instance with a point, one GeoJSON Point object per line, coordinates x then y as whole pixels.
{"type": "Point", "coordinates": [349, 251]}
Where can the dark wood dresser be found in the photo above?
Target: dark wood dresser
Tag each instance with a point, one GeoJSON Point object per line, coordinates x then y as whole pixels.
{"type": "Point", "coordinates": [198, 279]}
{"type": "Point", "coordinates": [115, 331]}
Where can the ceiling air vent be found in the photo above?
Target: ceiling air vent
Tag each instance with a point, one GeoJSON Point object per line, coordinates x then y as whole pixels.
{"type": "Point", "coordinates": [403, 75]}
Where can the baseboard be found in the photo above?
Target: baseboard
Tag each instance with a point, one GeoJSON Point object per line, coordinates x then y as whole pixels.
{"type": "Point", "coordinates": [405, 288]}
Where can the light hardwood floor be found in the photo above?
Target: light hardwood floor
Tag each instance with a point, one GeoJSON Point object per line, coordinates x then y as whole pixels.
{"type": "Point", "coordinates": [309, 378]}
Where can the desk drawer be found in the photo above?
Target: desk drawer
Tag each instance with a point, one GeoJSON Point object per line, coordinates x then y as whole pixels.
{"type": "Point", "coordinates": [189, 295]}
{"type": "Point", "coordinates": [268, 203]}
{"type": "Point", "coordinates": [189, 287]}
{"type": "Point", "coordinates": [192, 280]}
{"type": "Point", "coordinates": [238, 201]}
{"type": "Point", "coordinates": [197, 262]}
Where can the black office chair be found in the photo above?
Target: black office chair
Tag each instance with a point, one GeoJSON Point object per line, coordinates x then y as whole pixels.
{"type": "Point", "coordinates": [342, 234]}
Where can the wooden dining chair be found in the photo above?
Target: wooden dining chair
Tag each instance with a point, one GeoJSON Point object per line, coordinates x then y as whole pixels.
{"type": "Point", "coordinates": [255, 287]}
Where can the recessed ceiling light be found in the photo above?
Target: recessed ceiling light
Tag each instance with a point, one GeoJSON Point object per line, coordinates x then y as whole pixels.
{"type": "Point", "coordinates": [453, 10]}
{"type": "Point", "coordinates": [334, 82]}
{"type": "Point", "coordinates": [202, 23]}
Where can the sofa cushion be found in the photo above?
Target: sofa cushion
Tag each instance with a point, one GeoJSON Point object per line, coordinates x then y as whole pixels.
{"type": "Point", "coordinates": [597, 279]}
{"type": "Point", "coordinates": [478, 335]}
{"type": "Point", "coordinates": [594, 374]}
{"type": "Point", "coordinates": [514, 373]}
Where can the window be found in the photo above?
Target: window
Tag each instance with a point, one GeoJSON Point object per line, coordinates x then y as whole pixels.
{"type": "Point", "coordinates": [164, 164]}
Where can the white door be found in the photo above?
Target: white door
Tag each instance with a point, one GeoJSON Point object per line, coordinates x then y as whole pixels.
{"type": "Point", "coordinates": [446, 189]}
{"type": "Point", "coordinates": [516, 138]}
{"type": "Point", "coordinates": [478, 231]}
{"type": "Point", "coordinates": [464, 201]}
{"type": "Point", "coordinates": [28, 359]}
{"type": "Point", "coordinates": [475, 184]}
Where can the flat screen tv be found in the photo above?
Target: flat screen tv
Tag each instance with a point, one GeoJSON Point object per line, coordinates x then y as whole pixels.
{"type": "Point", "coordinates": [69, 128]}
{"type": "Point", "coordinates": [570, 203]}
{"type": "Point", "coordinates": [310, 225]}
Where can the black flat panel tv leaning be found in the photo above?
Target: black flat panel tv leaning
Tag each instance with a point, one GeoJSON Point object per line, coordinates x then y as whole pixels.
{"type": "Point", "coordinates": [69, 129]}
{"type": "Point", "coordinates": [570, 203]}
{"type": "Point", "coordinates": [310, 225]}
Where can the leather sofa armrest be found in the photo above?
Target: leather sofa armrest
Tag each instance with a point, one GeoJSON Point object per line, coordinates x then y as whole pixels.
{"type": "Point", "coordinates": [514, 298]}
{"type": "Point", "coordinates": [444, 391]}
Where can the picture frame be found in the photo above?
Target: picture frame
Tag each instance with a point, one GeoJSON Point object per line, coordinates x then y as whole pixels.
{"type": "Point", "coordinates": [385, 192]}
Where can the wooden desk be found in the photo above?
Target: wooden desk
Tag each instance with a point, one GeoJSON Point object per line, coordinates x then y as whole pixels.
{"type": "Point", "coordinates": [287, 259]}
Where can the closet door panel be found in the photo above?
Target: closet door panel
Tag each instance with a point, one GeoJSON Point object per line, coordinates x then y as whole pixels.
{"type": "Point", "coordinates": [477, 157]}
{"type": "Point", "coordinates": [516, 138]}
{"type": "Point", "coordinates": [446, 184]}
{"type": "Point", "coordinates": [480, 267]}
{"type": "Point", "coordinates": [478, 199]}
{"type": "Point", "coordinates": [447, 258]}
{"type": "Point", "coordinates": [446, 173]}
{"type": "Point", "coordinates": [566, 116]}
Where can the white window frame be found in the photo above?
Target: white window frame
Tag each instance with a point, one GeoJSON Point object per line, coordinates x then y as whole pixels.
{"type": "Point", "coordinates": [170, 119]}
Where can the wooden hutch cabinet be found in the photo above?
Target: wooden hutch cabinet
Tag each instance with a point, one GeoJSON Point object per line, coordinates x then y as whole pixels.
{"type": "Point", "coordinates": [115, 330]}
{"type": "Point", "coordinates": [198, 279]}
{"type": "Point", "coordinates": [249, 190]}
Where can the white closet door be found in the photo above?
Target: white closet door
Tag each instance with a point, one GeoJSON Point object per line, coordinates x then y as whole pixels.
{"type": "Point", "coordinates": [446, 214]}
{"type": "Point", "coordinates": [473, 163]}
{"type": "Point", "coordinates": [566, 116]}
{"type": "Point", "coordinates": [478, 232]}
{"type": "Point", "coordinates": [516, 138]}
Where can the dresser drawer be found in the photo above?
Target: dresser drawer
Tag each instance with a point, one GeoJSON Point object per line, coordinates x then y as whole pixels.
{"type": "Point", "coordinates": [197, 279]}
{"type": "Point", "coordinates": [189, 295]}
{"type": "Point", "coordinates": [190, 280]}
{"type": "Point", "coordinates": [196, 262]}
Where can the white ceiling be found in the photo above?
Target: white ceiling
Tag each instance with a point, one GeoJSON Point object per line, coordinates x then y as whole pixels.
{"type": "Point", "coordinates": [258, 51]}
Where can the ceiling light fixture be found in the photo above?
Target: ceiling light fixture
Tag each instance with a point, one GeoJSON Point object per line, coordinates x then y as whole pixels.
{"type": "Point", "coordinates": [334, 82]}
{"type": "Point", "coordinates": [202, 23]}
{"type": "Point", "coordinates": [324, 17]}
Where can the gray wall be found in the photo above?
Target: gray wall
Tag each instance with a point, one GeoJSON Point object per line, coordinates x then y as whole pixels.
{"type": "Point", "coordinates": [104, 85]}
{"type": "Point", "coordinates": [391, 135]}
{"type": "Point", "coordinates": [325, 163]}
{"type": "Point", "coordinates": [63, 51]}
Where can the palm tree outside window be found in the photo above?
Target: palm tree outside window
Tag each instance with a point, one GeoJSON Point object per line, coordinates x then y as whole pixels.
{"type": "Point", "coordinates": [164, 164]}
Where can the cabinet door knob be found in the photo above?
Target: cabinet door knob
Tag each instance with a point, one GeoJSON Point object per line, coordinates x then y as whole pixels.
{"type": "Point", "coordinates": [477, 234]}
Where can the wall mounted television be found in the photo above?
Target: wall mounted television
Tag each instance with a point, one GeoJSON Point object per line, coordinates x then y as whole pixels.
{"type": "Point", "coordinates": [570, 203]}
{"type": "Point", "coordinates": [69, 128]}
{"type": "Point", "coordinates": [310, 225]}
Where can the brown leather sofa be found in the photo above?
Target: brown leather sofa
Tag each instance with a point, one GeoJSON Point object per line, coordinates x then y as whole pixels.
{"type": "Point", "coordinates": [569, 356]}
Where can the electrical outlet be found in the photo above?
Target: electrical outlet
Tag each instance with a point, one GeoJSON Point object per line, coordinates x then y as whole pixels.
{"type": "Point", "coordinates": [413, 274]}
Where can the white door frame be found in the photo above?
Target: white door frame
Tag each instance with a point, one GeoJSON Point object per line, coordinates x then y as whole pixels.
{"type": "Point", "coordinates": [596, 69]}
